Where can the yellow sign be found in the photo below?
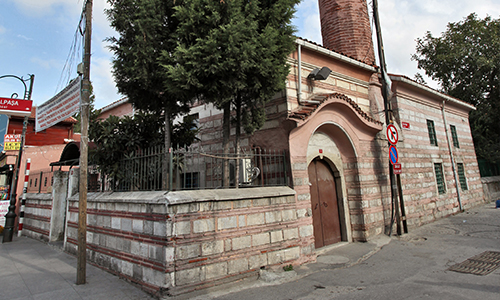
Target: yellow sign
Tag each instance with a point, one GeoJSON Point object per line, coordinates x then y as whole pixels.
{"type": "Point", "coordinates": [12, 142]}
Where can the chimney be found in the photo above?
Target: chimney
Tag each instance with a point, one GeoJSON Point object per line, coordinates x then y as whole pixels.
{"type": "Point", "coordinates": [345, 27]}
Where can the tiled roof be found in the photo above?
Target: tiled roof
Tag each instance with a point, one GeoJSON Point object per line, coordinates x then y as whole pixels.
{"type": "Point", "coordinates": [305, 111]}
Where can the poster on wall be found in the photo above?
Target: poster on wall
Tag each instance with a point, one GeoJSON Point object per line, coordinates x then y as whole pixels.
{"type": "Point", "coordinates": [4, 209]}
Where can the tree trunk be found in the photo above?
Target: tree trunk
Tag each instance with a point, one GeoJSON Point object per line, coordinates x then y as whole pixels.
{"type": "Point", "coordinates": [237, 142]}
{"type": "Point", "coordinates": [166, 160]}
{"type": "Point", "coordinates": [226, 132]}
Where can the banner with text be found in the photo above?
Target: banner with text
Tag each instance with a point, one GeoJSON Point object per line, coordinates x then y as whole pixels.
{"type": "Point", "coordinates": [63, 105]}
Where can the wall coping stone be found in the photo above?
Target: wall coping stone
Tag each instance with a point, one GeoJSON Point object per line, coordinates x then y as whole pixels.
{"type": "Point", "coordinates": [490, 179]}
{"type": "Point", "coordinates": [183, 197]}
{"type": "Point", "coordinates": [39, 196]}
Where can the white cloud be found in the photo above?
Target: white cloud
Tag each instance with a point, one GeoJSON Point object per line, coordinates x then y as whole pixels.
{"type": "Point", "coordinates": [24, 37]}
{"type": "Point", "coordinates": [46, 63]}
{"type": "Point", "coordinates": [102, 81]}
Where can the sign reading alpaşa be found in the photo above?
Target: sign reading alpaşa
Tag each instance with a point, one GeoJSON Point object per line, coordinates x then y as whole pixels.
{"type": "Point", "coordinates": [63, 105]}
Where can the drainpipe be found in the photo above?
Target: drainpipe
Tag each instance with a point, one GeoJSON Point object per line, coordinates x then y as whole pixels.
{"type": "Point", "coordinates": [299, 80]}
{"type": "Point", "coordinates": [452, 158]}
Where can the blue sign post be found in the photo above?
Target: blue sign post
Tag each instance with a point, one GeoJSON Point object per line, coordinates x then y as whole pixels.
{"type": "Point", "coordinates": [393, 154]}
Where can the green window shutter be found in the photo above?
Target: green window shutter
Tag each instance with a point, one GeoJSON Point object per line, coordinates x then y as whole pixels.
{"type": "Point", "coordinates": [454, 136]}
{"type": "Point", "coordinates": [461, 176]}
{"type": "Point", "coordinates": [438, 169]}
{"type": "Point", "coordinates": [432, 132]}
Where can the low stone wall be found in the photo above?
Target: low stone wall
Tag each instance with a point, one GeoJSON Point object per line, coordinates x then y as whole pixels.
{"type": "Point", "coordinates": [37, 214]}
{"type": "Point", "coordinates": [175, 242]}
{"type": "Point", "coordinates": [491, 188]}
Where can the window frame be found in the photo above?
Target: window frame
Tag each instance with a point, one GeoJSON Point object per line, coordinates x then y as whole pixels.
{"type": "Point", "coordinates": [461, 177]}
{"type": "Point", "coordinates": [439, 175]}
{"type": "Point", "coordinates": [454, 136]}
{"type": "Point", "coordinates": [431, 129]}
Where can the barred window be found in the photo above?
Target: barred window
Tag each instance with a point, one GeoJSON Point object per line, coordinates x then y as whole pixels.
{"type": "Point", "coordinates": [461, 176]}
{"type": "Point", "coordinates": [438, 169]}
{"type": "Point", "coordinates": [432, 132]}
{"type": "Point", "coordinates": [454, 136]}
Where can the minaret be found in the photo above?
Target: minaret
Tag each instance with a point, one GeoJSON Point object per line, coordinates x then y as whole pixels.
{"type": "Point", "coordinates": [345, 27]}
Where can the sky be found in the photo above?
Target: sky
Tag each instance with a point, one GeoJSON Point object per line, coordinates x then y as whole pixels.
{"type": "Point", "coordinates": [38, 37]}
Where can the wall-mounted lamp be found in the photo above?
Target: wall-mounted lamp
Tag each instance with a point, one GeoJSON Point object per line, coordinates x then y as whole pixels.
{"type": "Point", "coordinates": [319, 74]}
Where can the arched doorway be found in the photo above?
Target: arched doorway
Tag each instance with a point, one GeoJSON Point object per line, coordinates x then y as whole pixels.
{"type": "Point", "coordinates": [324, 204]}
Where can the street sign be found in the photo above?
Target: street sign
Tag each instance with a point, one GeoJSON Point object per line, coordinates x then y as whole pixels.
{"type": "Point", "coordinates": [397, 168]}
{"type": "Point", "coordinates": [405, 125]}
{"type": "Point", "coordinates": [15, 107]}
{"type": "Point", "coordinates": [392, 134]}
{"type": "Point", "coordinates": [12, 142]}
{"type": "Point", "coordinates": [393, 155]}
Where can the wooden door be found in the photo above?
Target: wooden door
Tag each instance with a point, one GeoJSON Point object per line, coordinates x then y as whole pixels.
{"type": "Point", "coordinates": [325, 209]}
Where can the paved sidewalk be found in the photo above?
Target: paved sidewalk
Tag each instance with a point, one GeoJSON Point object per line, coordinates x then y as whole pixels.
{"type": "Point", "coordinates": [30, 269]}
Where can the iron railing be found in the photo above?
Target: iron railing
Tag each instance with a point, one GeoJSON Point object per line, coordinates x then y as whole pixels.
{"type": "Point", "coordinates": [192, 168]}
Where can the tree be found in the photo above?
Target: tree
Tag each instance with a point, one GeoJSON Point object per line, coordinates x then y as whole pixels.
{"type": "Point", "coordinates": [232, 52]}
{"type": "Point", "coordinates": [145, 29]}
{"type": "Point", "coordinates": [465, 60]}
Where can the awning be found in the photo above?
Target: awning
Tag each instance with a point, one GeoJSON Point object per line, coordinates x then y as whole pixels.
{"type": "Point", "coordinates": [70, 155]}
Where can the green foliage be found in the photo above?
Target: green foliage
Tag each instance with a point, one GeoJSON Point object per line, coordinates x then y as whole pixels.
{"type": "Point", "coordinates": [145, 29]}
{"type": "Point", "coordinates": [288, 268]}
{"type": "Point", "coordinates": [116, 138]}
{"type": "Point", "coordinates": [232, 50]}
{"type": "Point", "coordinates": [465, 60]}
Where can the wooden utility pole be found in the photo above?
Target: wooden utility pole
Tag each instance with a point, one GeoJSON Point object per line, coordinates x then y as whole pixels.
{"type": "Point", "coordinates": [84, 112]}
{"type": "Point", "coordinates": [386, 92]}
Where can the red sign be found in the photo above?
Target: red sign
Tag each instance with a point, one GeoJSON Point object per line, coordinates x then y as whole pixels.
{"type": "Point", "coordinates": [15, 107]}
{"type": "Point", "coordinates": [397, 168]}
{"type": "Point", "coordinates": [405, 125]}
{"type": "Point", "coordinates": [392, 134]}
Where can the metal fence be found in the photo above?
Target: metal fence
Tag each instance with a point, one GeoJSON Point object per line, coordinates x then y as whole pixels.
{"type": "Point", "coordinates": [192, 168]}
{"type": "Point", "coordinates": [40, 181]}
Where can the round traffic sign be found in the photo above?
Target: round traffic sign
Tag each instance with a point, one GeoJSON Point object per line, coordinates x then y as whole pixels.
{"type": "Point", "coordinates": [393, 155]}
{"type": "Point", "coordinates": [392, 134]}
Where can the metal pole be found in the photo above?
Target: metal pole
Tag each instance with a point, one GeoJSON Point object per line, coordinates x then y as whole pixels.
{"type": "Point", "coordinates": [82, 205]}
{"type": "Point", "coordinates": [452, 158]}
{"type": "Point", "coordinates": [10, 217]}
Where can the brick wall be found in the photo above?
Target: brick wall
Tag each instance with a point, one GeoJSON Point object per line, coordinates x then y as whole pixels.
{"type": "Point", "coordinates": [182, 241]}
{"type": "Point", "coordinates": [37, 213]}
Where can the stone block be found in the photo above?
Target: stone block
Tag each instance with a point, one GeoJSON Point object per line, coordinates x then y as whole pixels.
{"type": "Point", "coordinates": [242, 242]}
{"type": "Point", "coordinates": [126, 224]}
{"type": "Point", "coordinates": [148, 227]}
{"type": "Point", "coordinates": [276, 257]}
{"type": "Point", "coordinates": [273, 217]}
{"type": "Point", "coordinates": [261, 202]}
{"type": "Point", "coordinates": [255, 219]}
{"type": "Point", "coordinates": [292, 253]}
{"type": "Point", "coordinates": [188, 276]}
{"type": "Point", "coordinates": [138, 226]}
{"type": "Point", "coordinates": [204, 225]}
{"type": "Point", "coordinates": [276, 236]}
{"type": "Point", "coordinates": [182, 228]}
{"type": "Point", "coordinates": [237, 266]}
{"type": "Point", "coordinates": [187, 251]}
{"type": "Point", "coordinates": [257, 261]}
{"type": "Point", "coordinates": [159, 228]}
{"type": "Point", "coordinates": [306, 231]}
{"type": "Point", "coordinates": [290, 233]}
{"type": "Point", "coordinates": [260, 239]}
{"type": "Point", "coordinates": [241, 221]}
{"type": "Point", "coordinates": [135, 248]}
{"type": "Point", "coordinates": [222, 205]}
{"type": "Point", "coordinates": [216, 270]}
{"type": "Point", "coordinates": [242, 203]}
{"type": "Point", "coordinates": [226, 223]}
{"type": "Point", "coordinates": [169, 254]}
{"type": "Point", "coordinates": [128, 268]}
{"type": "Point", "coordinates": [212, 247]}
{"type": "Point", "coordinates": [289, 215]}
{"type": "Point", "coordinates": [227, 245]}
